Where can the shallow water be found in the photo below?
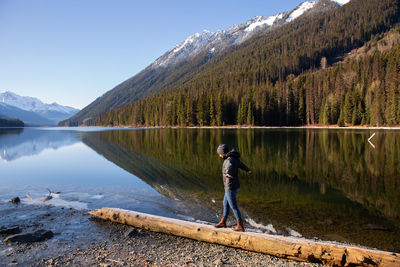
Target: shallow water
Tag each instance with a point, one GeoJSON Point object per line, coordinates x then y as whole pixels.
{"type": "Point", "coordinates": [328, 184]}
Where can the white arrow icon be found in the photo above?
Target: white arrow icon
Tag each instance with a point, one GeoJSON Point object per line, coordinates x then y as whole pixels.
{"type": "Point", "coordinates": [369, 140]}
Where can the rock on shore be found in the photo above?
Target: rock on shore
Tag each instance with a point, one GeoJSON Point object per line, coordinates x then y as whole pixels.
{"type": "Point", "coordinates": [29, 237]}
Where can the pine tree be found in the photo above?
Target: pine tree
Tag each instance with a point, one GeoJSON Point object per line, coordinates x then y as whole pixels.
{"type": "Point", "coordinates": [213, 120]}
{"type": "Point", "coordinates": [348, 108]}
{"type": "Point", "coordinates": [357, 115]}
{"type": "Point", "coordinates": [219, 110]}
{"type": "Point", "coordinates": [250, 116]}
{"type": "Point", "coordinates": [340, 121]}
{"type": "Point", "coordinates": [398, 106]}
{"type": "Point", "coordinates": [324, 117]}
{"type": "Point", "coordinates": [391, 113]}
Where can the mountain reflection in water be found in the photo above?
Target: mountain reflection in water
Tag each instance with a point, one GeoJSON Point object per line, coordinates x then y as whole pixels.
{"type": "Point", "coordinates": [20, 142]}
{"type": "Point", "coordinates": [329, 184]}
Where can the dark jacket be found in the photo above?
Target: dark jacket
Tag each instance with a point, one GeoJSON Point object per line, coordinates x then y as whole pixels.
{"type": "Point", "coordinates": [230, 166]}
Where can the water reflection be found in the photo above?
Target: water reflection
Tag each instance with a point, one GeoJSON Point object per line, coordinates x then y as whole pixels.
{"type": "Point", "coordinates": [41, 158]}
{"type": "Point", "coordinates": [329, 184]}
{"type": "Point", "coordinates": [19, 142]}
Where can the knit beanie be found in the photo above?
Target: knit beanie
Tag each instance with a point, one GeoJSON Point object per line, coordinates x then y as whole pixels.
{"type": "Point", "coordinates": [223, 149]}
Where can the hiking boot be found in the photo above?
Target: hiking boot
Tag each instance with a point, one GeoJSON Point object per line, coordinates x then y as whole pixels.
{"type": "Point", "coordinates": [239, 227]}
{"type": "Point", "coordinates": [221, 224]}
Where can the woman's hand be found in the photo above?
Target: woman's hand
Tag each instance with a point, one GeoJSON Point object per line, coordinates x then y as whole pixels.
{"type": "Point", "coordinates": [228, 176]}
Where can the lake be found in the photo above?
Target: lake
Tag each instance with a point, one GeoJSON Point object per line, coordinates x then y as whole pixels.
{"type": "Point", "coordinates": [327, 184]}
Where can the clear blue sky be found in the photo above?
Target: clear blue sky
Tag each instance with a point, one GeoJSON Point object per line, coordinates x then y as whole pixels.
{"type": "Point", "coordinates": [73, 51]}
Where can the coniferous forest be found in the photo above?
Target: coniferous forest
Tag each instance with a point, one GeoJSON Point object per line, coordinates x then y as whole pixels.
{"type": "Point", "coordinates": [342, 67]}
{"type": "Point", "coordinates": [5, 122]}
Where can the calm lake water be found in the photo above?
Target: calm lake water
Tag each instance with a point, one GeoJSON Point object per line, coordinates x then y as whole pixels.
{"type": "Point", "coordinates": [318, 183]}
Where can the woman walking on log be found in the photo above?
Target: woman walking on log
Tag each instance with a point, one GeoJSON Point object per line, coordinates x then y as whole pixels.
{"type": "Point", "coordinates": [231, 185]}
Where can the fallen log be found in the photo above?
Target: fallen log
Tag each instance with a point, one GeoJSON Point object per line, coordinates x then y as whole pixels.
{"type": "Point", "coordinates": [285, 247]}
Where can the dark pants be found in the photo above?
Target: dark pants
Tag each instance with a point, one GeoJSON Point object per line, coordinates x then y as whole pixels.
{"type": "Point", "coordinates": [230, 202]}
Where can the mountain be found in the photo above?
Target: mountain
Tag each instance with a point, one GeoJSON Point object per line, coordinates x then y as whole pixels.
{"type": "Point", "coordinates": [336, 67]}
{"type": "Point", "coordinates": [33, 111]}
{"type": "Point", "coordinates": [180, 64]}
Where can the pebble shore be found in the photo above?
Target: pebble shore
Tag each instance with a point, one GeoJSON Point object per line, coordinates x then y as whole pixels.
{"type": "Point", "coordinates": [81, 240]}
{"type": "Point", "coordinates": [128, 246]}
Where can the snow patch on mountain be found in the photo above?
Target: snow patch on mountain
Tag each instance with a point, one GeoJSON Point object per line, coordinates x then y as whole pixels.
{"type": "Point", "coordinates": [341, 2]}
{"type": "Point", "coordinates": [260, 21]}
{"type": "Point", "coordinates": [190, 47]}
{"type": "Point", "coordinates": [196, 39]}
{"type": "Point", "coordinates": [300, 10]}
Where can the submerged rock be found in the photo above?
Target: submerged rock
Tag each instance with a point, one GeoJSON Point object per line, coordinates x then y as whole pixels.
{"type": "Point", "coordinates": [29, 237]}
{"type": "Point", "coordinates": [16, 200]}
{"type": "Point", "coordinates": [11, 230]}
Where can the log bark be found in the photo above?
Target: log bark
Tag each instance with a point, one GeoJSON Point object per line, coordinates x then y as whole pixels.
{"type": "Point", "coordinates": [299, 249]}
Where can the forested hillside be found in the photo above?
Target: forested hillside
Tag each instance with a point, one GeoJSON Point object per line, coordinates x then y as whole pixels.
{"type": "Point", "coordinates": [292, 76]}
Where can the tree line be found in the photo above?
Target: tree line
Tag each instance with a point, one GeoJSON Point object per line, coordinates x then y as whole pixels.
{"type": "Point", "coordinates": [5, 122]}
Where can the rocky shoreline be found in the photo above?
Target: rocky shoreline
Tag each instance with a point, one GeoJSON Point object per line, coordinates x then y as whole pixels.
{"type": "Point", "coordinates": [81, 240]}
{"type": "Point", "coordinates": [127, 246]}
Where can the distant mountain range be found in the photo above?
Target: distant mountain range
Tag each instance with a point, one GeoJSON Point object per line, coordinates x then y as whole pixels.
{"type": "Point", "coordinates": [32, 111]}
{"type": "Point", "coordinates": [181, 63]}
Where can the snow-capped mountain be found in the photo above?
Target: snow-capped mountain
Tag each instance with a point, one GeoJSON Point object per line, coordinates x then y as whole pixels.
{"type": "Point", "coordinates": [52, 113]}
{"type": "Point", "coordinates": [234, 35]}
{"type": "Point", "coordinates": [32, 103]}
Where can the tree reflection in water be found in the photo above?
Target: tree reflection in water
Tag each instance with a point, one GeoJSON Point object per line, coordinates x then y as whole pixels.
{"type": "Point", "coordinates": [323, 183]}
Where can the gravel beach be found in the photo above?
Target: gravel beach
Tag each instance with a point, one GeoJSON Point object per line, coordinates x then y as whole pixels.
{"type": "Point", "coordinates": [81, 240]}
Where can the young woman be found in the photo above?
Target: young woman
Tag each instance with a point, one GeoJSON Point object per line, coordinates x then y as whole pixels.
{"type": "Point", "coordinates": [230, 169]}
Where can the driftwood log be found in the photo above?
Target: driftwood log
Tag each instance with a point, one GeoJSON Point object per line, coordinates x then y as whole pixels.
{"type": "Point", "coordinates": [285, 247]}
